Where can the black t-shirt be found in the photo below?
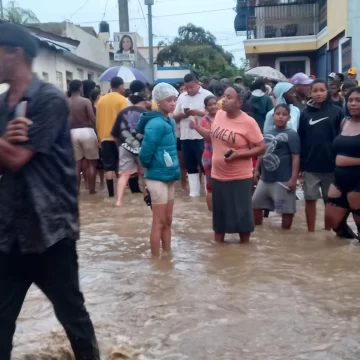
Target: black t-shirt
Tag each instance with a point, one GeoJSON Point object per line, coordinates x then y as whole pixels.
{"type": "Point", "coordinates": [125, 126]}
{"type": "Point", "coordinates": [38, 203]}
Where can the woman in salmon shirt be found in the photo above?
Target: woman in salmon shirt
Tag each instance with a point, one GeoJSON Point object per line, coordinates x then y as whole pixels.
{"type": "Point", "coordinates": [236, 139]}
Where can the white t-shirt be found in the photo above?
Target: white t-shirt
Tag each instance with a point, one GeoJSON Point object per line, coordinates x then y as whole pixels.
{"type": "Point", "coordinates": [196, 102]}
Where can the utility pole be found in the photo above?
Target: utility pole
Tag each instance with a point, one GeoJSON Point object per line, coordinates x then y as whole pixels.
{"type": "Point", "coordinates": [150, 3]}
{"type": "Point", "coordinates": [123, 15]}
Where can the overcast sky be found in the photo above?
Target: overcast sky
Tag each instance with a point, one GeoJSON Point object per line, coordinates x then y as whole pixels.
{"type": "Point", "coordinates": [213, 15]}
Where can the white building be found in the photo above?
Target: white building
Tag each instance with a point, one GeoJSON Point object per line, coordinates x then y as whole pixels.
{"type": "Point", "coordinates": [62, 58]}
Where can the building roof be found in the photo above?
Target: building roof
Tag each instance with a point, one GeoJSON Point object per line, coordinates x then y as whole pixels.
{"type": "Point", "coordinates": [89, 29]}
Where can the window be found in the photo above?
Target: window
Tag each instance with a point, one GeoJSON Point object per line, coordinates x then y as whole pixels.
{"type": "Point", "coordinates": [345, 55]}
{"type": "Point", "coordinates": [292, 65]}
{"type": "Point", "coordinates": [69, 76]}
{"type": "Point", "coordinates": [45, 76]}
{"type": "Point", "coordinates": [59, 80]}
{"type": "Point", "coordinates": [80, 74]}
{"type": "Point", "coordinates": [289, 68]}
{"type": "Point", "coordinates": [90, 76]}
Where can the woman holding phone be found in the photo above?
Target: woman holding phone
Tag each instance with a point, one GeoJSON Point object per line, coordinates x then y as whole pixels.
{"type": "Point", "coordinates": [236, 138]}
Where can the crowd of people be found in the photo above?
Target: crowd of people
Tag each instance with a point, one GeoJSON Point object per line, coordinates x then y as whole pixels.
{"type": "Point", "coordinates": [251, 146]}
{"type": "Point", "coordinates": [254, 145]}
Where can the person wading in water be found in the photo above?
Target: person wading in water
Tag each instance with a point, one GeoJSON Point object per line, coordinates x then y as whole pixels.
{"type": "Point", "coordinates": [39, 211]}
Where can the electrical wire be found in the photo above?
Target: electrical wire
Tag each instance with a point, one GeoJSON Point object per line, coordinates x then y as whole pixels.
{"type": "Point", "coordinates": [143, 14]}
{"type": "Point", "coordinates": [82, 6]}
{"type": "Point", "coordinates": [105, 10]}
{"type": "Point", "coordinates": [169, 15]}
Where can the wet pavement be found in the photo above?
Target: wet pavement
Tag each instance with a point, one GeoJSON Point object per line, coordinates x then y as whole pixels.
{"type": "Point", "coordinates": [284, 296]}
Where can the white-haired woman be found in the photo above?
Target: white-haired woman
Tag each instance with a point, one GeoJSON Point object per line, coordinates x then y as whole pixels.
{"type": "Point", "coordinates": [158, 155]}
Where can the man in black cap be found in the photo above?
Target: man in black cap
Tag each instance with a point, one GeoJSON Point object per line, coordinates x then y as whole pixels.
{"type": "Point", "coordinates": [39, 222]}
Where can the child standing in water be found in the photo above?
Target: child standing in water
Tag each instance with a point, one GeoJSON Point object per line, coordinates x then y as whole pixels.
{"type": "Point", "coordinates": [211, 106]}
{"type": "Point", "coordinates": [278, 170]}
{"type": "Point", "coordinates": [319, 126]}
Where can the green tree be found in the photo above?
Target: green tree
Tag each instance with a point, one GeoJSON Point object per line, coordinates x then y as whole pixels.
{"type": "Point", "coordinates": [14, 13]}
{"type": "Point", "coordinates": [197, 49]}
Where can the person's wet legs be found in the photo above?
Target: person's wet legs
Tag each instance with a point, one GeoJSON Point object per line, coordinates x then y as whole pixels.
{"type": "Point", "coordinates": [158, 228]}
{"type": "Point", "coordinates": [287, 220]}
{"type": "Point", "coordinates": [14, 284]}
{"type": "Point", "coordinates": [56, 273]}
{"type": "Point", "coordinates": [91, 175]}
{"type": "Point", "coordinates": [183, 170]}
{"type": "Point", "coordinates": [258, 216]}
{"type": "Point", "coordinates": [219, 237]}
{"type": "Point", "coordinates": [310, 211]}
{"type": "Point", "coordinates": [244, 238]}
{"type": "Point", "coordinates": [79, 166]}
{"type": "Point", "coordinates": [354, 202]}
{"type": "Point", "coordinates": [166, 232]}
{"type": "Point", "coordinates": [209, 200]}
{"type": "Point", "coordinates": [121, 185]}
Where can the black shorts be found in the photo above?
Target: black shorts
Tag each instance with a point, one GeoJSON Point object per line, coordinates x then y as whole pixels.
{"type": "Point", "coordinates": [346, 180]}
{"type": "Point", "coordinates": [110, 155]}
{"type": "Point", "coordinates": [178, 144]}
{"type": "Point", "coordinates": [192, 151]}
{"type": "Point", "coordinates": [100, 164]}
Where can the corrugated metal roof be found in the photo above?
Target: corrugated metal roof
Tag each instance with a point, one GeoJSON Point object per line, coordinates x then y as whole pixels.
{"type": "Point", "coordinates": [61, 46]}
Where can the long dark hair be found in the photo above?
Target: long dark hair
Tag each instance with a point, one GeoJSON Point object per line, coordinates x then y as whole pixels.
{"type": "Point", "coordinates": [354, 90]}
{"type": "Point", "coordinates": [121, 45]}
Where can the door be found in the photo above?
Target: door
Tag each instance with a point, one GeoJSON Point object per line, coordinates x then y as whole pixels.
{"type": "Point", "coordinates": [289, 68]}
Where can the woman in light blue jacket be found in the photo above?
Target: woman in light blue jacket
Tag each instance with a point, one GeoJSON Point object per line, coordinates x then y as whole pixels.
{"type": "Point", "coordinates": [158, 156]}
{"type": "Point", "coordinates": [284, 93]}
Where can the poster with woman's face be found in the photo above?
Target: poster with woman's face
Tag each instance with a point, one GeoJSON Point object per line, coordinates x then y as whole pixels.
{"type": "Point", "coordinates": [125, 47]}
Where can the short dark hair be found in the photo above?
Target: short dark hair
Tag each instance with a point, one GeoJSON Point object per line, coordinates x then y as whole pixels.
{"type": "Point", "coordinates": [75, 86]}
{"type": "Point", "coordinates": [340, 76]}
{"type": "Point", "coordinates": [274, 82]}
{"type": "Point", "coordinates": [189, 78]}
{"type": "Point", "coordinates": [88, 86]}
{"type": "Point", "coordinates": [285, 106]}
{"type": "Point", "coordinates": [94, 95]}
{"type": "Point", "coordinates": [348, 85]}
{"type": "Point", "coordinates": [218, 90]}
{"type": "Point", "coordinates": [319, 81]}
{"type": "Point", "coordinates": [116, 82]}
{"type": "Point", "coordinates": [137, 86]}
{"type": "Point", "coordinates": [257, 85]}
{"type": "Point", "coordinates": [208, 98]}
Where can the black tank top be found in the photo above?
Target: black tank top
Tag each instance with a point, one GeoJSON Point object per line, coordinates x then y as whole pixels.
{"type": "Point", "coordinates": [347, 146]}
{"type": "Point", "coordinates": [338, 103]}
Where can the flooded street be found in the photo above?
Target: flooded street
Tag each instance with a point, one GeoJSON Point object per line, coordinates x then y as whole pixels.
{"type": "Point", "coordinates": [284, 296]}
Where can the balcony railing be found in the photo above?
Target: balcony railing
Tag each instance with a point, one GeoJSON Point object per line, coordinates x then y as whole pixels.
{"type": "Point", "coordinates": [285, 19]}
{"type": "Point", "coordinates": [255, 3]}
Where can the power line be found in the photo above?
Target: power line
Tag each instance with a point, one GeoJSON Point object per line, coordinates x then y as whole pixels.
{"type": "Point", "coordinates": [142, 13]}
{"type": "Point", "coordinates": [170, 15]}
{"type": "Point", "coordinates": [79, 9]}
{"type": "Point", "coordinates": [104, 10]}
{"type": "Point", "coordinates": [194, 12]}
{"type": "Point", "coordinates": [96, 21]}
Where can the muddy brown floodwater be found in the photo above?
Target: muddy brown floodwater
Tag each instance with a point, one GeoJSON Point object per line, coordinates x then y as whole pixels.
{"type": "Point", "coordinates": [284, 296]}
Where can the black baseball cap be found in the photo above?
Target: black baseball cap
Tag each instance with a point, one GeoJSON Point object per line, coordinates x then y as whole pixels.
{"type": "Point", "coordinates": [17, 36]}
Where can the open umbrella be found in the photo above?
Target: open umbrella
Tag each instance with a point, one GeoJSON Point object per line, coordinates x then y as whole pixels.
{"type": "Point", "coordinates": [128, 74]}
{"type": "Point", "coordinates": [267, 72]}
